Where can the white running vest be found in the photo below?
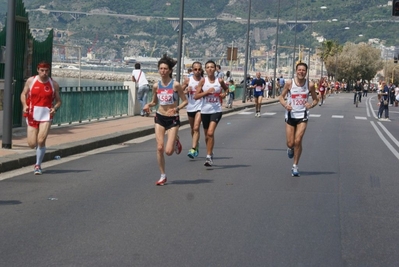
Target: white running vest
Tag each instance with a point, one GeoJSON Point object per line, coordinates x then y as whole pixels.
{"type": "Point", "coordinates": [297, 98]}
{"type": "Point", "coordinates": [211, 103]}
{"type": "Point", "coordinates": [193, 105]}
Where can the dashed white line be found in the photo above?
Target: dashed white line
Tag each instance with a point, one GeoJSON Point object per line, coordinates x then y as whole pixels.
{"type": "Point", "coordinates": [360, 118]}
{"type": "Point", "coordinates": [337, 116]}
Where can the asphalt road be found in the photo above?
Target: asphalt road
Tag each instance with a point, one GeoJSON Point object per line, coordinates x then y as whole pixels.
{"type": "Point", "coordinates": [105, 210]}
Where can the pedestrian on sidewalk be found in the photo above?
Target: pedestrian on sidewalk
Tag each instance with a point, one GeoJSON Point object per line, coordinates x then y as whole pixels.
{"type": "Point", "coordinates": [166, 92]}
{"type": "Point", "coordinates": [142, 87]}
{"type": "Point", "coordinates": [40, 100]}
{"type": "Point", "coordinates": [297, 112]}
{"type": "Point", "coordinates": [232, 89]}
{"type": "Point", "coordinates": [190, 87]}
{"type": "Point", "coordinates": [212, 90]}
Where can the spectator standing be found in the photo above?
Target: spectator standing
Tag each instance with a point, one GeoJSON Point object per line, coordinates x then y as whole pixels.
{"type": "Point", "coordinates": [232, 89]}
{"type": "Point", "coordinates": [383, 97]}
{"type": "Point", "coordinates": [365, 89]}
{"type": "Point", "coordinates": [138, 76]}
{"type": "Point", "coordinates": [219, 73]}
{"type": "Point", "coordinates": [396, 96]}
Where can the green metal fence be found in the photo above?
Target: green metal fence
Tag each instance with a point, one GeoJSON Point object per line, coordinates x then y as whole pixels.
{"type": "Point", "coordinates": [91, 103]}
{"type": "Point", "coordinates": [28, 53]}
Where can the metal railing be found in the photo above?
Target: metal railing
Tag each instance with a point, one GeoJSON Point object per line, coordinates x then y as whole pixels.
{"type": "Point", "coordinates": [91, 103]}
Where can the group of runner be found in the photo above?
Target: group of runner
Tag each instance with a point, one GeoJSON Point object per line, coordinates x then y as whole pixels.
{"type": "Point", "coordinates": [203, 98]}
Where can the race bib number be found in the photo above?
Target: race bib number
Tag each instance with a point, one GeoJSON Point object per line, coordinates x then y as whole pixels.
{"type": "Point", "coordinates": [165, 98]}
{"type": "Point", "coordinates": [299, 99]}
{"type": "Point", "coordinates": [258, 88]}
{"type": "Point", "coordinates": [212, 99]}
{"type": "Point", "coordinates": [41, 113]}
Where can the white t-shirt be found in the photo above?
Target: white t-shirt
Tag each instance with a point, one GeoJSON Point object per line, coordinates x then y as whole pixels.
{"type": "Point", "coordinates": [140, 81]}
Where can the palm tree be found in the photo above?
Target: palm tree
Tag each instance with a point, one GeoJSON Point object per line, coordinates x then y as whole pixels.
{"type": "Point", "coordinates": [329, 48]}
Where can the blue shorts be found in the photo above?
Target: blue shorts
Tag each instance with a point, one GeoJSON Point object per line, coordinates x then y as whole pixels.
{"type": "Point", "coordinates": [258, 94]}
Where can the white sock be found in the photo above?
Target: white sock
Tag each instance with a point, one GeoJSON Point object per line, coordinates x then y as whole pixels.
{"type": "Point", "coordinates": [163, 175]}
{"type": "Point", "coordinates": [40, 151]}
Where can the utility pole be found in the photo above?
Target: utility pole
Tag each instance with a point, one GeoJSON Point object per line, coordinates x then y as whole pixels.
{"type": "Point", "coordinates": [9, 76]}
{"type": "Point", "coordinates": [179, 47]}
{"type": "Point", "coordinates": [246, 54]}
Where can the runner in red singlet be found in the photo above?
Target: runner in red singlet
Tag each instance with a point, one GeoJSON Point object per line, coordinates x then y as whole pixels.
{"type": "Point", "coordinates": [38, 97]}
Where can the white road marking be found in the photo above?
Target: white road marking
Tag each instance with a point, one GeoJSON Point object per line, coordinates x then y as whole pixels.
{"type": "Point", "coordinates": [390, 147]}
{"type": "Point", "coordinates": [360, 118]}
{"type": "Point", "coordinates": [269, 113]}
{"type": "Point", "coordinates": [315, 115]}
{"type": "Point", "coordinates": [337, 116]}
{"type": "Point", "coordinates": [389, 134]}
{"type": "Point", "coordinates": [246, 113]}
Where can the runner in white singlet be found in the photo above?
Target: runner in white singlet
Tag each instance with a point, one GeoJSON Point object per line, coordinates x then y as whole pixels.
{"type": "Point", "coordinates": [190, 86]}
{"type": "Point", "coordinates": [212, 90]}
{"type": "Point", "coordinates": [294, 99]}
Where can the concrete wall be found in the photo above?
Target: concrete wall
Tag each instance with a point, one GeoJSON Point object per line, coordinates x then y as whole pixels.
{"type": "Point", "coordinates": [134, 104]}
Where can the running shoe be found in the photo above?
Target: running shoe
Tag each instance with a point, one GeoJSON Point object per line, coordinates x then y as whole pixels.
{"type": "Point", "coordinates": [162, 181]}
{"type": "Point", "coordinates": [37, 170]}
{"type": "Point", "coordinates": [208, 162]}
{"type": "Point", "coordinates": [290, 153]}
{"type": "Point", "coordinates": [191, 153]}
{"type": "Point", "coordinates": [196, 152]}
{"type": "Point", "coordinates": [295, 171]}
{"type": "Point", "coordinates": [178, 146]}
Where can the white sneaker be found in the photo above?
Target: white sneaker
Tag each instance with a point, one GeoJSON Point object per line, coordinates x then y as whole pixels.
{"type": "Point", "coordinates": [295, 171]}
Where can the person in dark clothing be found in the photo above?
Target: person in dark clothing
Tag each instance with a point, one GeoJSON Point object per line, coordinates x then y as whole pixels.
{"type": "Point", "coordinates": [383, 98]}
{"type": "Point", "coordinates": [358, 88]}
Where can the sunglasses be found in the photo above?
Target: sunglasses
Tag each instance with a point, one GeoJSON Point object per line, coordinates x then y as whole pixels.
{"type": "Point", "coordinates": [196, 69]}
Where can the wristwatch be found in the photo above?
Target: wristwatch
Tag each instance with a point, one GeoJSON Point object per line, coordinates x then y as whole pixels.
{"type": "Point", "coordinates": [177, 109]}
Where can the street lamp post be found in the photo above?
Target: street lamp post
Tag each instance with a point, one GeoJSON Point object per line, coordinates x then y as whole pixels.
{"type": "Point", "coordinates": [296, 24]}
{"type": "Point", "coordinates": [8, 76]}
{"type": "Point", "coordinates": [179, 47]}
{"type": "Point", "coordinates": [275, 53]}
{"type": "Point", "coordinates": [246, 53]}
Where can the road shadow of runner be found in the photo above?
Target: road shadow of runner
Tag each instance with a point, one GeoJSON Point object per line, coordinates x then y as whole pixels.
{"type": "Point", "coordinates": [184, 182]}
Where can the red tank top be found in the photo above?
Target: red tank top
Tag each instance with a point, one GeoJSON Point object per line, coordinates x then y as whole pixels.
{"type": "Point", "coordinates": [41, 94]}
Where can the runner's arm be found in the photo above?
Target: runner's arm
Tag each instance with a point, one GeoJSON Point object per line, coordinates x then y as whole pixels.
{"type": "Point", "coordinates": [24, 95]}
{"type": "Point", "coordinates": [283, 95]}
{"type": "Point", "coordinates": [154, 100]}
{"type": "Point", "coordinates": [57, 98]}
{"type": "Point", "coordinates": [315, 99]}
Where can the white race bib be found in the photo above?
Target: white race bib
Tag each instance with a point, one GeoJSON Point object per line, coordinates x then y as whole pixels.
{"type": "Point", "coordinates": [41, 113]}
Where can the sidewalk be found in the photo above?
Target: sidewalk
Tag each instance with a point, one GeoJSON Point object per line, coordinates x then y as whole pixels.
{"type": "Point", "coordinates": [78, 138]}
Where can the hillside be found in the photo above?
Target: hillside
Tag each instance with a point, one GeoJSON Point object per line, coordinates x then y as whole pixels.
{"type": "Point", "coordinates": [370, 19]}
